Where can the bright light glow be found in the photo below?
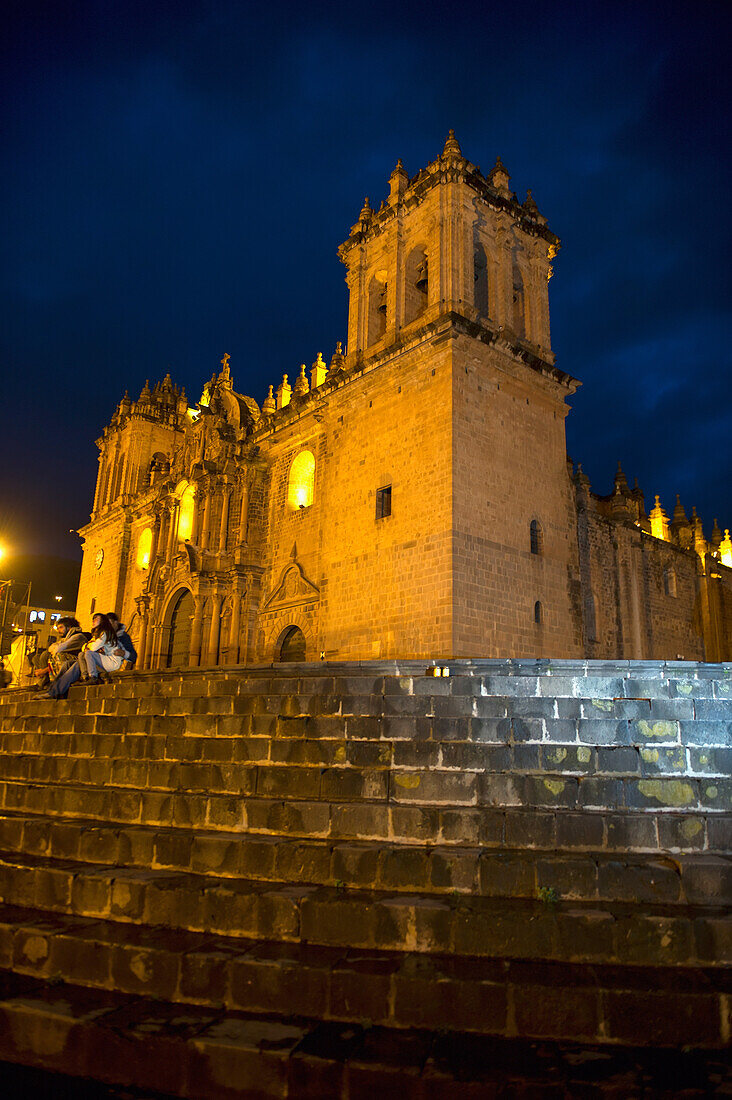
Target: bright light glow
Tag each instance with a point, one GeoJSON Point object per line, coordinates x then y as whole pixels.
{"type": "Point", "coordinates": [725, 549]}
{"type": "Point", "coordinates": [194, 414]}
{"type": "Point", "coordinates": [659, 522]}
{"type": "Point", "coordinates": [186, 511]}
{"type": "Point", "coordinates": [2, 552]}
{"type": "Point", "coordinates": [58, 599]}
{"type": "Point", "coordinates": [144, 548]}
{"type": "Point", "coordinates": [302, 481]}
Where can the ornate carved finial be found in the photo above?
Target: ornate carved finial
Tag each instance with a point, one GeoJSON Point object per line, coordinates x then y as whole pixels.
{"type": "Point", "coordinates": [301, 385]}
{"type": "Point", "coordinates": [621, 481]}
{"type": "Point", "coordinates": [366, 211]}
{"type": "Point", "coordinates": [530, 205]}
{"type": "Point", "coordinates": [269, 404]}
{"type": "Point", "coordinates": [339, 348]}
{"type": "Point", "coordinates": [225, 364]}
{"type": "Point", "coordinates": [452, 146]}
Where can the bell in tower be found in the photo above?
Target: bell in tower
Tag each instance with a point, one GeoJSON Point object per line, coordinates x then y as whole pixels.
{"type": "Point", "coordinates": [422, 281]}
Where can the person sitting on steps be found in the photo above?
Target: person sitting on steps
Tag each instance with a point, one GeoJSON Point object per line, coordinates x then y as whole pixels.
{"type": "Point", "coordinates": [102, 653]}
{"type": "Point", "coordinates": [123, 640]}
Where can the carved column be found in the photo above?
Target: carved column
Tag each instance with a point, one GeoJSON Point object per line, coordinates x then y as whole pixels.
{"type": "Point", "coordinates": [100, 477]}
{"type": "Point", "coordinates": [244, 513]}
{"type": "Point", "coordinates": [224, 525]}
{"type": "Point", "coordinates": [234, 629]}
{"type": "Point", "coordinates": [196, 518]}
{"type": "Point", "coordinates": [212, 656]}
{"type": "Point", "coordinates": [173, 529]}
{"type": "Point", "coordinates": [194, 656]}
{"type": "Point", "coordinates": [206, 533]}
{"type": "Point", "coordinates": [142, 644]}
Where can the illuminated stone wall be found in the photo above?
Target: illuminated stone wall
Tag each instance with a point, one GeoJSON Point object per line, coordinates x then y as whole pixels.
{"type": "Point", "coordinates": [435, 440]}
{"type": "Point", "coordinates": [510, 468]}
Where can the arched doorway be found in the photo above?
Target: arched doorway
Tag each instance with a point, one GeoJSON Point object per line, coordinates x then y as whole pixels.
{"type": "Point", "coordinates": [179, 640]}
{"type": "Point", "coordinates": [292, 646]}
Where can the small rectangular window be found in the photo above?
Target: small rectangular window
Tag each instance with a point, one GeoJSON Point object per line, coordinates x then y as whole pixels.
{"type": "Point", "coordinates": [383, 502]}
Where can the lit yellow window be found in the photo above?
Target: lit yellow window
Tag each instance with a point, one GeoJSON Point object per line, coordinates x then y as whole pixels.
{"type": "Point", "coordinates": [144, 547]}
{"type": "Point", "coordinates": [302, 481]}
{"type": "Point", "coordinates": [186, 510]}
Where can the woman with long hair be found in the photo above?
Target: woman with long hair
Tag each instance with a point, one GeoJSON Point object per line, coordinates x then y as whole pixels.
{"type": "Point", "coordinates": [102, 651]}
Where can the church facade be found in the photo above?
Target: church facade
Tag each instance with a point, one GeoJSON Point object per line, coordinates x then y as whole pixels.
{"type": "Point", "coordinates": [412, 497]}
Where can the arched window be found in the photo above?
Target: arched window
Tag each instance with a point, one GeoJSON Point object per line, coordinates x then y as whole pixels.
{"type": "Point", "coordinates": [480, 274]}
{"type": "Point", "coordinates": [669, 581]}
{"type": "Point", "coordinates": [292, 646]}
{"type": "Point", "coordinates": [301, 483]}
{"type": "Point", "coordinates": [186, 494]}
{"type": "Point", "coordinates": [519, 302]}
{"type": "Point", "coordinates": [144, 548]}
{"type": "Point", "coordinates": [416, 284]}
{"type": "Point", "coordinates": [377, 308]}
{"type": "Point", "coordinates": [537, 537]}
{"type": "Point", "coordinates": [538, 613]}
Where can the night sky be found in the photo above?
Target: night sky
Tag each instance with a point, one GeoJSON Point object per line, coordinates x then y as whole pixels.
{"type": "Point", "coordinates": [176, 178]}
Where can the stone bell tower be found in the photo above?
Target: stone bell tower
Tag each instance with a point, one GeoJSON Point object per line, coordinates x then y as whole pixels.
{"type": "Point", "coordinates": [449, 240]}
{"type": "Point", "coordinates": [448, 280]}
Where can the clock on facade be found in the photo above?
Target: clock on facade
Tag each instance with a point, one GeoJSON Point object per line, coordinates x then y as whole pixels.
{"type": "Point", "coordinates": [99, 559]}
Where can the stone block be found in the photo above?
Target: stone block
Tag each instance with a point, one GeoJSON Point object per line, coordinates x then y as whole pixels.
{"type": "Point", "coordinates": [488, 706]}
{"type": "Point", "coordinates": [653, 882]}
{"type": "Point", "coordinates": [359, 820]}
{"type": "Point", "coordinates": [673, 794]}
{"type": "Point", "coordinates": [531, 829]}
{"type": "Point", "coordinates": [662, 760]}
{"type": "Point", "coordinates": [719, 832]}
{"type": "Point", "coordinates": [265, 980]}
{"type": "Point", "coordinates": [440, 787]}
{"type": "Point", "coordinates": [524, 757]}
{"type": "Point", "coordinates": [706, 733]}
{"type": "Point", "coordinates": [618, 760]}
{"type": "Point", "coordinates": [716, 794]}
{"type": "Point", "coordinates": [568, 759]}
{"type": "Point", "coordinates": [649, 940]}
{"type": "Point", "coordinates": [360, 988]}
{"type": "Point", "coordinates": [710, 761]}
{"type": "Point", "coordinates": [601, 793]}
{"type": "Point", "coordinates": [404, 868]}
{"type": "Point", "coordinates": [707, 881]}
{"type": "Point", "coordinates": [345, 784]}
{"type": "Point", "coordinates": [603, 731]}
{"type": "Point", "coordinates": [453, 870]}
{"type": "Point", "coordinates": [556, 1011]}
{"type": "Point", "coordinates": [502, 790]}
{"type": "Point", "coordinates": [579, 830]}
{"type": "Point", "coordinates": [551, 791]}
{"type": "Point", "coordinates": [508, 876]}
{"type": "Point", "coordinates": [682, 832]}
{"type": "Point", "coordinates": [632, 831]}
{"type": "Point", "coordinates": [569, 878]}
{"type": "Point", "coordinates": [527, 729]}
{"type": "Point", "coordinates": [676, 1019]}
{"type": "Point", "coordinates": [406, 728]}
{"type": "Point", "coordinates": [496, 730]}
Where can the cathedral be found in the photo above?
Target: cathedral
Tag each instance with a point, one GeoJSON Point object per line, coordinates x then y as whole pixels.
{"type": "Point", "coordinates": [410, 498]}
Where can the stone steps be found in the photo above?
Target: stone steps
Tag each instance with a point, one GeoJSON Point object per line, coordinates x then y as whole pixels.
{"type": "Point", "coordinates": [193, 1051]}
{"type": "Point", "coordinates": [596, 876]}
{"type": "Point", "coordinates": [615, 829]}
{"type": "Point", "coordinates": [493, 927]}
{"type": "Point", "coordinates": [481, 996]}
{"type": "Point", "coordinates": [520, 848]}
